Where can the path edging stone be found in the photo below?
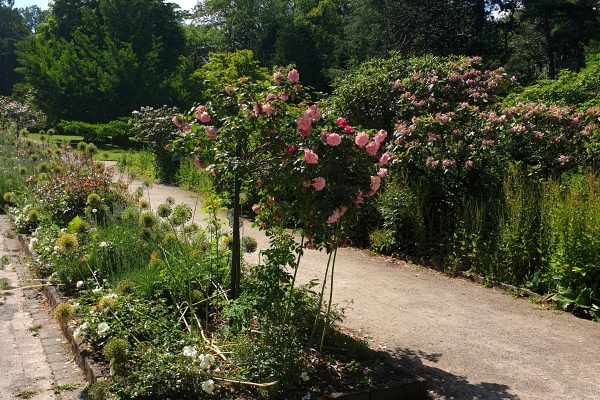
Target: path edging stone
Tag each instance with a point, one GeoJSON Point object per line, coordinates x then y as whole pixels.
{"type": "Point", "coordinates": [92, 371]}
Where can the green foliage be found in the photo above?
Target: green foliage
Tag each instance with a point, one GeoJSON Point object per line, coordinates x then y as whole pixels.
{"type": "Point", "coordinates": [578, 89]}
{"type": "Point", "coordinates": [114, 131]}
{"type": "Point", "coordinates": [98, 61]}
{"type": "Point", "coordinates": [249, 244]}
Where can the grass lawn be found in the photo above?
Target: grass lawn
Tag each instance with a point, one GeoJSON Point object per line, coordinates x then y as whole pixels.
{"type": "Point", "coordinates": [106, 151]}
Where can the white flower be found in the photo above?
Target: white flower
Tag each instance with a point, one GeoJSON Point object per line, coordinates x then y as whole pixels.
{"type": "Point", "coordinates": [78, 334]}
{"type": "Point", "coordinates": [208, 386]}
{"type": "Point", "coordinates": [304, 376]}
{"type": "Point", "coordinates": [103, 244]}
{"type": "Point", "coordinates": [96, 290]}
{"type": "Point", "coordinates": [102, 328]}
{"type": "Point", "coordinates": [76, 306]}
{"type": "Point", "coordinates": [80, 284]}
{"type": "Point", "coordinates": [190, 351]}
{"type": "Point", "coordinates": [94, 210]}
{"type": "Point", "coordinates": [206, 360]}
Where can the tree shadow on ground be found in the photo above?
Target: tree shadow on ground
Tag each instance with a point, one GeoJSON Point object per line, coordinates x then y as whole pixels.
{"type": "Point", "coordinates": [444, 385]}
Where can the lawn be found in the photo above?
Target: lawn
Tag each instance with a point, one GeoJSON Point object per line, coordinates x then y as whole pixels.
{"type": "Point", "coordinates": [106, 151]}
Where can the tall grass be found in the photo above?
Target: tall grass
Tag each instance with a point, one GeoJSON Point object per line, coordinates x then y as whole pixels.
{"type": "Point", "coordinates": [191, 178]}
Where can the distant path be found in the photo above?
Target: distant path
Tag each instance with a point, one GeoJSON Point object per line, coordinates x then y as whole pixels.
{"type": "Point", "coordinates": [470, 342]}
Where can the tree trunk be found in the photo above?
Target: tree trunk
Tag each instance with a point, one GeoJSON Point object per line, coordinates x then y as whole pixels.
{"type": "Point", "coordinates": [236, 254]}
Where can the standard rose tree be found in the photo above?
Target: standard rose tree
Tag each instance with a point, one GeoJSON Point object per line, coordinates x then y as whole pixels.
{"type": "Point", "coordinates": [312, 169]}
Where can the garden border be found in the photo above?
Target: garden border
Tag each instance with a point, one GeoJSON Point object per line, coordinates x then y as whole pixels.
{"type": "Point", "coordinates": [414, 388]}
{"type": "Point", "coordinates": [91, 370]}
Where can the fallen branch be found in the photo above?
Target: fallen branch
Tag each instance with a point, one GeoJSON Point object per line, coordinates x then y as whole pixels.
{"type": "Point", "coordinates": [253, 384]}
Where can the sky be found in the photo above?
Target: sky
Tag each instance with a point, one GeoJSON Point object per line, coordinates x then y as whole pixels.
{"type": "Point", "coordinates": [184, 4]}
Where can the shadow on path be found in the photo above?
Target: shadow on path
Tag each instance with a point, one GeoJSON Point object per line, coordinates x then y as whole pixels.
{"type": "Point", "coordinates": [444, 385]}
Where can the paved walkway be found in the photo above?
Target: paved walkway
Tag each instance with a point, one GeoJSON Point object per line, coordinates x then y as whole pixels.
{"type": "Point", "coordinates": [35, 362]}
{"type": "Point", "coordinates": [469, 341]}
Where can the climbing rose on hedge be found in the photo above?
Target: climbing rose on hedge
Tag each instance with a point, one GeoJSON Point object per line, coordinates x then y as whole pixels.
{"type": "Point", "coordinates": [333, 139]}
{"type": "Point", "coordinates": [318, 183]}
{"type": "Point", "coordinates": [310, 157]}
{"type": "Point", "coordinates": [361, 139]}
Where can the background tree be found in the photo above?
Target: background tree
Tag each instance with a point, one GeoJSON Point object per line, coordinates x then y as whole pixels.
{"type": "Point", "coordinates": [95, 61]}
{"type": "Point", "coordinates": [13, 28]}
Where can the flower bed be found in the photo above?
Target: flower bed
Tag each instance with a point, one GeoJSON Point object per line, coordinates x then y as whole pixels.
{"type": "Point", "coordinates": [146, 299]}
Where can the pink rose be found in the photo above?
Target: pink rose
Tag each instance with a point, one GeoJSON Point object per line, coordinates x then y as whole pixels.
{"type": "Point", "coordinates": [372, 148]}
{"type": "Point", "coordinates": [310, 157]}
{"type": "Point", "coordinates": [382, 173]}
{"type": "Point", "coordinates": [270, 97]}
{"type": "Point", "coordinates": [199, 110]}
{"type": "Point", "coordinates": [257, 209]}
{"type": "Point", "coordinates": [211, 131]}
{"type": "Point", "coordinates": [469, 164]}
{"type": "Point", "coordinates": [283, 97]}
{"type": "Point", "coordinates": [304, 132]}
{"type": "Point", "coordinates": [361, 139]}
{"type": "Point", "coordinates": [334, 217]}
{"type": "Point", "coordinates": [343, 210]}
{"type": "Point", "coordinates": [384, 159]}
{"type": "Point", "coordinates": [230, 90]}
{"type": "Point", "coordinates": [177, 121]}
{"type": "Point", "coordinates": [447, 163]}
{"type": "Point", "coordinates": [359, 198]}
{"type": "Point", "coordinates": [204, 117]}
{"type": "Point", "coordinates": [333, 139]}
{"type": "Point", "coordinates": [318, 184]}
{"type": "Point", "coordinates": [306, 184]}
{"type": "Point", "coordinates": [341, 121]}
{"type": "Point", "coordinates": [564, 159]}
{"type": "Point", "coordinates": [293, 76]}
{"type": "Point", "coordinates": [380, 136]}
{"type": "Point", "coordinates": [186, 127]}
{"type": "Point", "coordinates": [375, 183]}
{"type": "Point", "coordinates": [198, 164]}
{"type": "Point", "coordinates": [278, 77]}
{"type": "Point", "coordinates": [313, 113]}
{"type": "Point", "coordinates": [267, 109]}
{"type": "Point", "coordinates": [304, 123]}
{"type": "Point", "coordinates": [348, 129]}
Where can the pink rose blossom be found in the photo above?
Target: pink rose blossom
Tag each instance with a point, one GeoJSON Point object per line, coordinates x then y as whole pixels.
{"type": "Point", "coordinates": [382, 173]}
{"type": "Point", "coordinates": [278, 77]}
{"type": "Point", "coordinates": [204, 117]}
{"type": "Point", "coordinates": [447, 163]}
{"type": "Point", "coordinates": [304, 123]}
{"type": "Point", "coordinates": [293, 76]}
{"type": "Point", "coordinates": [334, 217]}
{"type": "Point", "coordinates": [469, 164]}
{"type": "Point", "coordinates": [283, 97]}
{"type": "Point", "coordinates": [257, 209]}
{"type": "Point", "coordinates": [313, 113]}
{"type": "Point", "coordinates": [176, 121]}
{"type": "Point", "coordinates": [432, 161]}
{"type": "Point", "coordinates": [306, 184]}
{"type": "Point", "coordinates": [359, 198]}
{"type": "Point", "coordinates": [186, 127]}
{"type": "Point", "coordinates": [372, 148]}
{"type": "Point", "coordinates": [198, 164]}
{"type": "Point", "coordinates": [211, 131]}
{"type": "Point", "coordinates": [361, 139]}
{"type": "Point", "coordinates": [348, 129]}
{"type": "Point", "coordinates": [564, 159]}
{"type": "Point", "coordinates": [304, 132]}
{"type": "Point", "coordinates": [199, 110]}
{"type": "Point", "coordinates": [343, 210]}
{"type": "Point", "coordinates": [375, 183]}
{"type": "Point", "coordinates": [384, 159]}
{"type": "Point", "coordinates": [310, 157]}
{"type": "Point", "coordinates": [230, 90]}
{"type": "Point", "coordinates": [341, 121]}
{"type": "Point", "coordinates": [318, 184]}
{"type": "Point", "coordinates": [271, 97]}
{"type": "Point", "coordinates": [267, 109]}
{"type": "Point", "coordinates": [380, 136]}
{"type": "Point", "coordinates": [333, 139]}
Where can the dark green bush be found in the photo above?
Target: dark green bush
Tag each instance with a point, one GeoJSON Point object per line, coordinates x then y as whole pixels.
{"type": "Point", "coordinates": [117, 131]}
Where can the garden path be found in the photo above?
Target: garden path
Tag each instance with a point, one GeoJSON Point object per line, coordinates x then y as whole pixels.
{"type": "Point", "coordinates": [468, 341]}
{"type": "Point", "coordinates": [35, 362]}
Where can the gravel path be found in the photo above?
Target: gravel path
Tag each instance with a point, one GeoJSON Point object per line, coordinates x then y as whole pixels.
{"type": "Point", "coordinates": [470, 342]}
